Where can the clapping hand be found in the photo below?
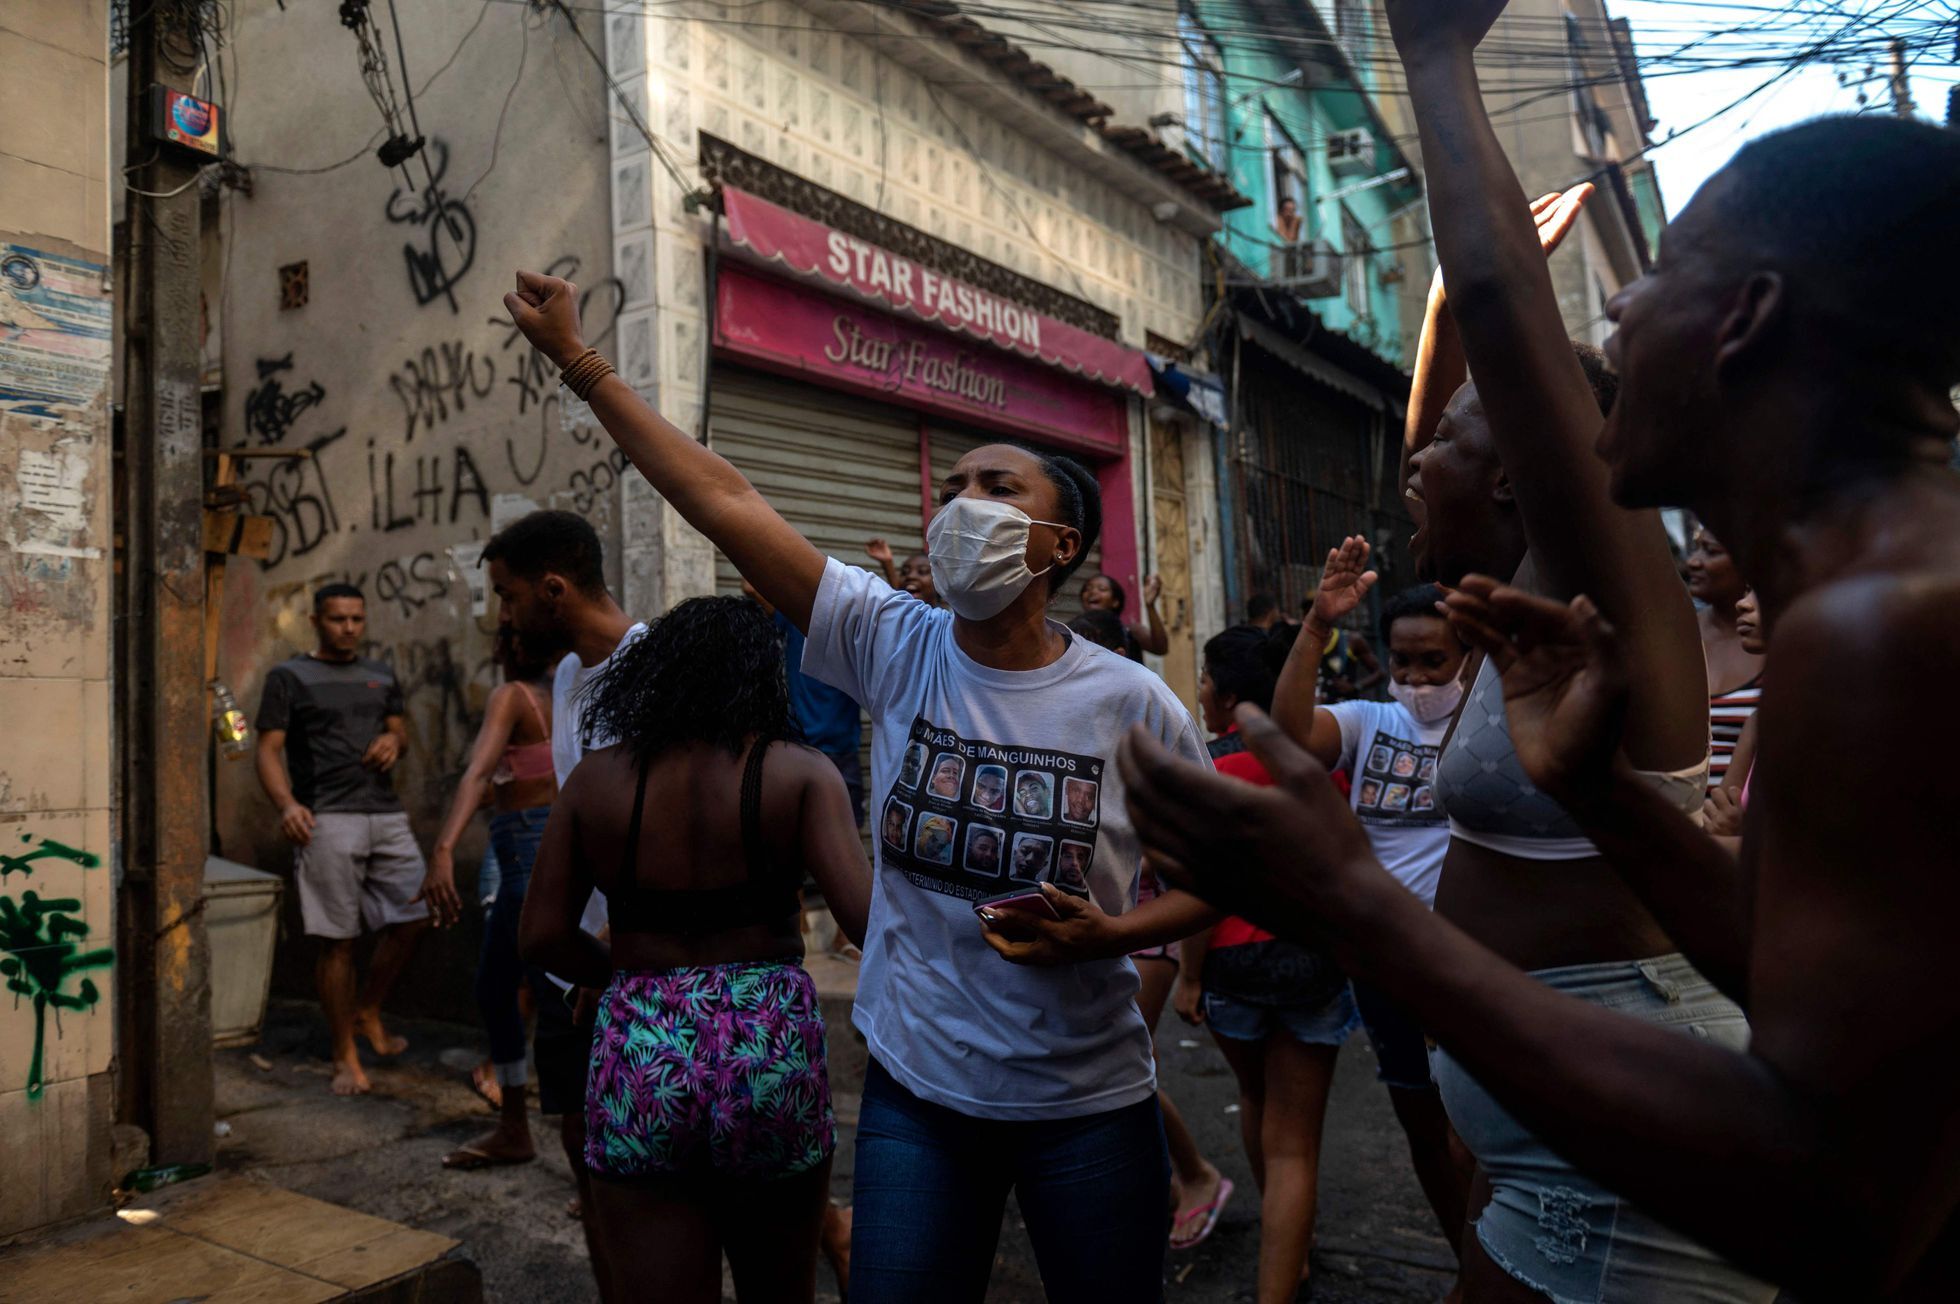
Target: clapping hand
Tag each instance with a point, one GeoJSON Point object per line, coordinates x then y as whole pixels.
{"type": "Point", "coordinates": [1555, 212]}
{"type": "Point", "coordinates": [1344, 582]}
{"type": "Point", "coordinates": [1565, 684]}
{"type": "Point", "coordinates": [1290, 858]}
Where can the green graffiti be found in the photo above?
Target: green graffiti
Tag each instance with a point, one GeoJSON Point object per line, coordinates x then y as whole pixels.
{"type": "Point", "coordinates": [48, 850]}
{"type": "Point", "coordinates": [40, 951]}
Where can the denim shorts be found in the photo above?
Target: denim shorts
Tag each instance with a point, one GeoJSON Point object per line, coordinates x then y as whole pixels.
{"type": "Point", "coordinates": [1557, 1230]}
{"type": "Point", "coordinates": [1327, 1024]}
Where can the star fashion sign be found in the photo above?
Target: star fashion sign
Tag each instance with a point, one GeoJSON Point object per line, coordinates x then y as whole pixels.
{"type": "Point", "coordinates": [791, 328]}
{"type": "Point", "coordinates": [954, 302]}
{"type": "Point", "coordinates": [915, 360]}
{"type": "Point", "coordinates": [820, 254]}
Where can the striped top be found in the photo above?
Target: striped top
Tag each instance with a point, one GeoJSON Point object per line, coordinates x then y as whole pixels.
{"type": "Point", "coordinates": [1727, 713]}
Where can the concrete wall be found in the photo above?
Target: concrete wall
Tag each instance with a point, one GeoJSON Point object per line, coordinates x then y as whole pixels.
{"type": "Point", "coordinates": [1538, 128]}
{"type": "Point", "coordinates": [429, 420]}
{"type": "Point", "coordinates": [57, 860]}
{"type": "Point", "coordinates": [1540, 133]}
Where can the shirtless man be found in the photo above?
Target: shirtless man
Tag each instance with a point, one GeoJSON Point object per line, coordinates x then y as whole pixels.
{"type": "Point", "coordinates": [1785, 373]}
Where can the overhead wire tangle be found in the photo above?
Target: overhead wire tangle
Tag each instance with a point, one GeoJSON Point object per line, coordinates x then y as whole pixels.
{"type": "Point", "coordinates": [372, 140]}
{"type": "Point", "coordinates": [1551, 54]}
{"type": "Point", "coordinates": [658, 150]}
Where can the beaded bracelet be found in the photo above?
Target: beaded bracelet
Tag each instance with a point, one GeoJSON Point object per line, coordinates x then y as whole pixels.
{"type": "Point", "coordinates": [584, 373]}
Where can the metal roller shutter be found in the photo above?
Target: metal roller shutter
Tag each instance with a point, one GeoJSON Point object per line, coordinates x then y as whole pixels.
{"type": "Point", "coordinates": [839, 469]}
{"type": "Point", "coordinates": [948, 447]}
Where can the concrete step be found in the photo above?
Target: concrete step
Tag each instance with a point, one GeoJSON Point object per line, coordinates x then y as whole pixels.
{"type": "Point", "coordinates": [238, 1237]}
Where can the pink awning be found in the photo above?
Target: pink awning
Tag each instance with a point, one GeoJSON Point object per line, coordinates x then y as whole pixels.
{"type": "Point", "coordinates": [821, 253]}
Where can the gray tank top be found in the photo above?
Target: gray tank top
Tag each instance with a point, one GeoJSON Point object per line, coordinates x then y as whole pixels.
{"type": "Point", "coordinates": [1492, 803]}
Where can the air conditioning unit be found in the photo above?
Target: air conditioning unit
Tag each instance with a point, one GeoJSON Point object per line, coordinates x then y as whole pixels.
{"type": "Point", "coordinates": [1310, 271]}
{"type": "Point", "coordinates": [1351, 152]}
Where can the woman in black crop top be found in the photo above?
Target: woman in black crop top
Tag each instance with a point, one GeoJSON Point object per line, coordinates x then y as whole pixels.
{"type": "Point", "coordinates": [708, 1112]}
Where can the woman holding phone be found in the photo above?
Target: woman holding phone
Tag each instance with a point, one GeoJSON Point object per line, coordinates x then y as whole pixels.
{"type": "Point", "coordinates": [986, 1076]}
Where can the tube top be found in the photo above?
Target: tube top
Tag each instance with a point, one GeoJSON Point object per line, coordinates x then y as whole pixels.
{"type": "Point", "coordinates": [1491, 803]}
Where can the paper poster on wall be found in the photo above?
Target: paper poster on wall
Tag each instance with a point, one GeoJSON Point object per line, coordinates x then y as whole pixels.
{"type": "Point", "coordinates": [465, 559]}
{"type": "Point", "coordinates": [51, 491]}
{"type": "Point", "coordinates": [54, 331]}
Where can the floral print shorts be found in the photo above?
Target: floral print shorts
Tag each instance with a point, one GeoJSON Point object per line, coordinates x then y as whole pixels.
{"type": "Point", "coordinates": [714, 1069]}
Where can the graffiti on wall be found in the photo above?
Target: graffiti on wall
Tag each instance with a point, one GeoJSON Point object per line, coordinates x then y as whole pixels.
{"type": "Point", "coordinates": [270, 408]}
{"type": "Point", "coordinates": [444, 247]}
{"type": "Point", "coordinates": [413, 491]}
{"type": "Point", "coordinates": [41, 947]}
{"type": "Point", "coordinates": [295, 494]}
{"type": "Point", "coordinates": [439, 382]}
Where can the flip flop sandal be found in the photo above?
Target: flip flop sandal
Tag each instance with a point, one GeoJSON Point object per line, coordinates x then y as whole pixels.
{"type": "Point", "coordinates": [1206, 1215]}
{"type": "Point", "coordinates": [466, 1159]}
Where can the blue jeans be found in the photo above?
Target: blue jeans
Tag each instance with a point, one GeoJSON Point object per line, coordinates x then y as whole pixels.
{"type": "Point", "coordinates": [499, 971]}
{"type": "Point", "coordinates": [1552, 1226]}
{"type": "Point", "coordinates": [932, 1185]}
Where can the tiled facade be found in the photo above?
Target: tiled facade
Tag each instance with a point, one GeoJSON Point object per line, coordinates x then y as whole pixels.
{"type": "Point", "coordinates": [58, 861]}
{"type": "Point", "coordinates": [777, 80]}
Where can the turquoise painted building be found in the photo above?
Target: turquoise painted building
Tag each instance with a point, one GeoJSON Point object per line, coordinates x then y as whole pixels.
{"type": "Point", "coordinates": [1278, 96]}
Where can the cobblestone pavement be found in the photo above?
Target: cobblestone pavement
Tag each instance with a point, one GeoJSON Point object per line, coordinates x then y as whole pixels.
{"type": "Point", "coordinates": [382, 1154]}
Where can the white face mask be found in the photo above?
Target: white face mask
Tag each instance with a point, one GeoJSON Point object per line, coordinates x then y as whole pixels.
{"type": "Point", "coordinates": [1428, 703]}
{"type": "Point", "coordinates": [978, 548]}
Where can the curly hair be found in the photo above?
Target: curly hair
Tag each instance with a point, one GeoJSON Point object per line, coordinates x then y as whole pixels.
{"type": "Point", "coordinates": [709, 671]}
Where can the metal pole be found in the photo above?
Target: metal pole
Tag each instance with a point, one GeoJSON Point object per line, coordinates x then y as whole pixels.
{"type": "Point", "coordinates": [1901, 89]}
{"type": "Point", "coordinates": [162, 726]}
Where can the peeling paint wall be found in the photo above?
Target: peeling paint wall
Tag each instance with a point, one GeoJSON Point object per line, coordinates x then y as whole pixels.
{"type": "Point", "coordinates": [56, 860]}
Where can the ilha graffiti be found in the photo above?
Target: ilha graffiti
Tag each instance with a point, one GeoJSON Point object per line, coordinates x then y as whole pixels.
{"type": "Point", "coordinates": [40, 947]}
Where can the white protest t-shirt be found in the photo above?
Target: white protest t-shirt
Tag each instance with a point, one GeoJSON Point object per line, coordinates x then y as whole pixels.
{"type": "Point", "coordinates": [983, 781]}
{"type": "Point", "coordinates": [568, 749]}
{"type": "Point", "coordinates": [1391, 760]}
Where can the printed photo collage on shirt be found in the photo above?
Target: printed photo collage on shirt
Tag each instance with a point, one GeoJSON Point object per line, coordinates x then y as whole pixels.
{"type": "Point", "coordinates": [1397, 782]}
{"type": "Point", "coordinates": [972, 818]}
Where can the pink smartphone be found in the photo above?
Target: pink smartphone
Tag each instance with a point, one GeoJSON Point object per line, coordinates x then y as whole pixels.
{"type": "Point", "coordinates": [1027, 900]}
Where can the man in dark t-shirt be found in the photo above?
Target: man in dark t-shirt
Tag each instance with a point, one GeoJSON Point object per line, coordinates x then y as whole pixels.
{"type": "Point", "coordinates": [330, 731]}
